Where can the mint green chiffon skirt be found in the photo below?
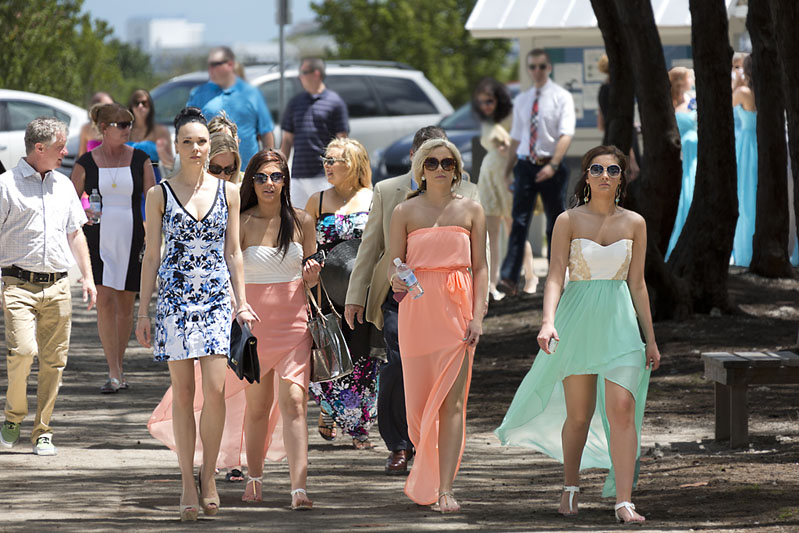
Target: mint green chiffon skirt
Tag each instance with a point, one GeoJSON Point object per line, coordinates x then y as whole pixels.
{"type": "Point", "coordinates": [599, 334]}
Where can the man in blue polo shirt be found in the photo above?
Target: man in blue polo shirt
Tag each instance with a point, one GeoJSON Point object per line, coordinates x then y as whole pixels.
{"type": "Point", "coordinates": [311, 120]}
{"type": "Point", "coordinates": [241, 101]}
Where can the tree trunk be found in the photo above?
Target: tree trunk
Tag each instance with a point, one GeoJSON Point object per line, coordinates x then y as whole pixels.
{"type": "Point", "coordinates": [656, 193]}
{"type": "Point", "coordinates": [621, 100]}
{"type": "Point", "coordinates": [785, 13]}
{"type": "Point", "coordinates": [702, 254]}
{"type": "Point", "coordinates": [770, 242]}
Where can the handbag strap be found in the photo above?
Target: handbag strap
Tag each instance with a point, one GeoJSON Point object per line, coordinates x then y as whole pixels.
{"type": "Point", "coordinates": [312, 301]}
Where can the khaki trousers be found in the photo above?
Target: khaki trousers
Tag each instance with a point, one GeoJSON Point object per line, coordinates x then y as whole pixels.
{"type": "Point", "coordinates": [38, 320]}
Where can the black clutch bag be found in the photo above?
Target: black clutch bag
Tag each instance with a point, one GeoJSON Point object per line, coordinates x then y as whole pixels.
{"type": "Point", "coordinates": [243, 358]}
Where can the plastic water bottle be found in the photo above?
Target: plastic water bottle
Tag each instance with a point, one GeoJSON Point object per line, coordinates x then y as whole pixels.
{"type": "Point", "coordinates": [96, 205]}
{"type": "Point", "coordinates": [406, 274]}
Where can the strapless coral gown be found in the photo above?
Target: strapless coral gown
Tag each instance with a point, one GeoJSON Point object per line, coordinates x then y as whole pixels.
{"type": "Point", "coordinates": [599, 334]}
{"type": "Point", "coordinates": [275, 290]}
{"type": "Point", "coordinates": [431, 332]}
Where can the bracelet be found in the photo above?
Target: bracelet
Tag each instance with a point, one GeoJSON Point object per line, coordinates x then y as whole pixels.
{"type": "Point", "coordinates": [143, 316]}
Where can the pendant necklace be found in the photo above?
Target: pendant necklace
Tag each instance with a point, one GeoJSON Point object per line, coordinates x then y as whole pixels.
{"type": "Point", "coordinates": [115, 169]}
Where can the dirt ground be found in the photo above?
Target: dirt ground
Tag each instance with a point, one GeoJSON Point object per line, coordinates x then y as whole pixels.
{"type": "Point", "coordinates": [111, 475]}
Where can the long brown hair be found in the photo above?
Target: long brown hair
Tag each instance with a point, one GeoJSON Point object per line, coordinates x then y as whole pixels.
{"type": "Point", "coordinates": [581, 187]}
{"type": "Point", "coordinates": [136, 96]}
{"type": "Point", "coordinates": [289, 221]}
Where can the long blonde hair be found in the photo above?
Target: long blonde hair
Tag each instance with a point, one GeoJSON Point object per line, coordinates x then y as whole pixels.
{"type": "Point", "coordinates": [417, 165]}
{"type": "Point", "coordinates": [359, 171]}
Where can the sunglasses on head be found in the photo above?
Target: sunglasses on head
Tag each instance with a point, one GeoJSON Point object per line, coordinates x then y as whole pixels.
{"type": "Point", "coordinates": [447, 164]}
{"type": "Point", "coordinates": [534, 66]}
{"type": "Point", "coordinates": [212, 64]}
{"type": "Point", "coordinates": [121, 125]}
{"type": "Point", "coordinates": [330, 161]}
{"type": "Point", "coordinates": [596, 170]}
{"type": "Point", "coordinates": [217, 169]}
{"type": "Point", "coordinates": [261, 178]}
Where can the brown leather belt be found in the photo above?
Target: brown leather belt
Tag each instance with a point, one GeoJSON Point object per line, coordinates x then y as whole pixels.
{"type": "Point", "coordinates": [32, 277]}
{"type": "Point", "coordinates": [540, 161]}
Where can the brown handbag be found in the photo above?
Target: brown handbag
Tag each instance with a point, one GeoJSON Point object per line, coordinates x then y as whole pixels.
{"type": "Point", "coordinates": [330, 356]}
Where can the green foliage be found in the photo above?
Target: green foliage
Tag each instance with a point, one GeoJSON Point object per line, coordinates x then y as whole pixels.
{"type": "Point", "coordinates": [50, 47]}
{"type": "Point", "coordinates": [429, 36]}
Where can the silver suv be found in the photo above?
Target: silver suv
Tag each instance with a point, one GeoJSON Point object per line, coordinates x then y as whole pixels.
{"type": "Point", "coordinates": [386, 100]}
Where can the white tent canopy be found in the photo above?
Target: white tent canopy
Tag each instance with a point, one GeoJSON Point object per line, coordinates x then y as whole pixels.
{"type": "Point", "coordinates": [552, 20]}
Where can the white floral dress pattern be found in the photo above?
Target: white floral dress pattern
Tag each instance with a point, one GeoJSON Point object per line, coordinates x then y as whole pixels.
{"type": "Point", "coordinates": [193, 311]}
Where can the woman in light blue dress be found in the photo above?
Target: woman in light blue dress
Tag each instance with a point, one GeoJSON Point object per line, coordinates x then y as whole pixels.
{"type": "Point", "coordinates": [149, 137]}
{"type": "Point", "coordinates": [743, 101]}
{"type": "Point", "coordinates": [591, 350]}
{"type": "Point", "coordinates": [681, 81]}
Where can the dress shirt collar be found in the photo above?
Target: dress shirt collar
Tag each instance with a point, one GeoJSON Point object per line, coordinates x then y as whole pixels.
{"type": "Point", "coordinates": [29, 172]}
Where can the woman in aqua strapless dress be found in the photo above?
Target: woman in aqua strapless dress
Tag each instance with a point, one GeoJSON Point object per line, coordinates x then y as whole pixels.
{"type": "Point", "coordinates": [743, 100]}
{"type": "Point", "coordinates": [682, 79]}
{"type": "Point", "coordinates": [600, 360]}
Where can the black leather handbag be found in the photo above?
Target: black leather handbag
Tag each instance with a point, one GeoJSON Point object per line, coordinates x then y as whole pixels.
{"type": "Point", "coordinates": [243, 358]}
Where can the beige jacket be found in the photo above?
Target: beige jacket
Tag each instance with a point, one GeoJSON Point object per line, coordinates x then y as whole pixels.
{"type": "Point", "coordinates": [370, 273]}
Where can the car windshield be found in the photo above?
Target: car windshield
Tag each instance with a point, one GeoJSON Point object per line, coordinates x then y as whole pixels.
{"type": "Point", "coordinates": [171, 98]}
{"type": "Point", "coordinates": [461, 119]}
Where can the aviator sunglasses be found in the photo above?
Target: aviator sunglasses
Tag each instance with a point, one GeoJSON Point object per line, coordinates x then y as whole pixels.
{"type": "Point", "coordinates": [330, 161]}
{"type": "Point", "coordinates": [217, 169]}
{"type": "Point", "coordinates": [447, 164]}
{"type": "Point", "coordinates": [261, 178]}
{"type": "Point", "coordinates": [596, 170]}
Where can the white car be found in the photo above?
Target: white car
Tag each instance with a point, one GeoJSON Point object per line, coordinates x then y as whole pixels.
{"type": "Point", "coordinates": [18, 108]}
{"type": "Point", "coordinates": [386, 100]}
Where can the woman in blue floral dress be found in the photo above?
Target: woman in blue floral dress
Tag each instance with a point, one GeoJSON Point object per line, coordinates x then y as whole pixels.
{"type": "Point", "coordinates": [340, 213]}
{"type": "Point", "coordinates": [193, 313]}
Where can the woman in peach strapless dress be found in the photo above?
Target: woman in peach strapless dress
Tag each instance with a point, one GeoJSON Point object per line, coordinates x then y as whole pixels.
{"type": "Point", "coordinates": [267, 419]}
{"type": "Point", "coordinates": [442, 236]}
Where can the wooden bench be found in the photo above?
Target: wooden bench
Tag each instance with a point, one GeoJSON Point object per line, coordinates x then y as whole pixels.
{"type": "Point", "coordinates": [732, 374]}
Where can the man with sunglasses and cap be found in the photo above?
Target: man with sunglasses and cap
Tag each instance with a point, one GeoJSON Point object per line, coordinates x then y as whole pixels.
{"type": "Point", "coordinates": [312, 119]}
{"type": "Point", "coordinates": [369, 292]}
{"type": "Point", "coordinates": [543, 127]}
{"type": "Point", "coordinates": [40, 239]}
{"type": "Point", "coordinates": [242, 102]}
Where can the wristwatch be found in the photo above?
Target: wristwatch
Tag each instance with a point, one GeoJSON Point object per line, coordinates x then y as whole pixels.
{"type": "Point", "coordinates": [555, 166]}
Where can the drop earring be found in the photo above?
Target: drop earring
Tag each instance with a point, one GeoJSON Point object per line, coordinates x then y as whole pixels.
{"type": "Point", "coordinates": [618, 194]}
{"type": "Point", "coordinates": [586, 194]}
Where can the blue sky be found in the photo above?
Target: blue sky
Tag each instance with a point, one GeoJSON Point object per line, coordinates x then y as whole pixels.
{"type": "Point", "coordinates": [225, 22]}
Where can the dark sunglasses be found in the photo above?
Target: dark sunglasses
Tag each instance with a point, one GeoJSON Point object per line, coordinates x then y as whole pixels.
{"type": "Point", "coordinates": [533, 66]}
{"type": "Point", "coordinates": [144, 103]}
{"type": "Point", "coordinates": [217, 169]}
{"type": "Point", "coordinates": [212, 64]}
{"type": "Point", "coordinates": [308, 71]}
{"type": "Point", "coordinates": [486, 102]}
{"type": "Point", "coordinates": [330, 161]}
{"type": "Point", "coordinates": [447, 164]}
{"type": "Point", "coordinates": [121, 125]}
{"type": "Point", "coordinates": [261, 178]}
{"type": "Point", "coordinates": [596, 170]}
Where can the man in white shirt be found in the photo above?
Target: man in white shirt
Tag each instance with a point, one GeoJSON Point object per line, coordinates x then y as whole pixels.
{"type": "Point", "coordinates": [40, 233]}
{"type": "Point", "coordinates": [543, 127]}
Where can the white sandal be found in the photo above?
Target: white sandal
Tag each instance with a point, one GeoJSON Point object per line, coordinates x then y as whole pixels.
{"type": "Point", "coordinates": [255, 496]}
{"type": "Point", "coordinates": [630, 508]}
{"type": "Point", "coordinates": [304, 506]}
{"type": "Point", "coordinates": [571, 489]}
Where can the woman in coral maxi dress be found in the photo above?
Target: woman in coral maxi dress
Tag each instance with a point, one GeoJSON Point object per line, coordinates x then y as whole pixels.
{"type": "Point", "coordinates": [599, 361]}
{"type": "Point", "coordinates": [442, 237]}
{"type": "Point", "coordinates": [267, 419]}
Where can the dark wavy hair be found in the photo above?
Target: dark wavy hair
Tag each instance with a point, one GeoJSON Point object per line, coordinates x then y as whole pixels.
{"type": "Point", "coordinates": [581, 187]}
{"type": "Point", "coordinates": [501, 94]}
{"type": "Point", "coordinates": [188, 115]}
{"type": "Point", "coordinates": [289, 221]}
{"type": "Point", "coordinates": [136, 96]}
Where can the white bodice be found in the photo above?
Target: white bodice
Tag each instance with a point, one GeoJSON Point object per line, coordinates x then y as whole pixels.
{"type": "Point", "coordinates": [266, 264]}
{"type": "Point", "coordinates": [590, 260]}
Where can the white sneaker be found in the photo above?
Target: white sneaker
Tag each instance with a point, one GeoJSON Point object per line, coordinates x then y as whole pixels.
{"type": "Point", "coordinates": [44, 445]}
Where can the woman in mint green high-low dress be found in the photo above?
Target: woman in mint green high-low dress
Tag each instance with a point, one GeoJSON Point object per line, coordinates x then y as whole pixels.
{"type": "Point", "coordinates": [600, 359]}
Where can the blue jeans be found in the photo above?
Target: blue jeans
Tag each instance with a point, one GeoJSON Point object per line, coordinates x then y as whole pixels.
{"type": "Point", "coordinates": [525, 192]}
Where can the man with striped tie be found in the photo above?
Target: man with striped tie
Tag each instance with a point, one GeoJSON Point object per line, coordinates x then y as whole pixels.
{"type": "Point", "coordinates": [543, 127]}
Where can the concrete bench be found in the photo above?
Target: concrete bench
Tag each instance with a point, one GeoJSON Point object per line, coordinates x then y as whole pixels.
{"type": "Point", "coordinates": [732, 374]}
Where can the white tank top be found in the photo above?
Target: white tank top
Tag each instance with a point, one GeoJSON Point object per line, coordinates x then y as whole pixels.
{"type": "Point", "coordinates": [266, 264]}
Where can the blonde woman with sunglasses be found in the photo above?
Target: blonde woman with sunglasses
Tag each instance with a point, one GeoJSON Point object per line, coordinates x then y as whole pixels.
{"type": "Point", "coordinates": [224, 159]}
{"type": "Point", "coordinates": [591, 352]}
{"type": "Point", "coordinates": [442, 236]}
